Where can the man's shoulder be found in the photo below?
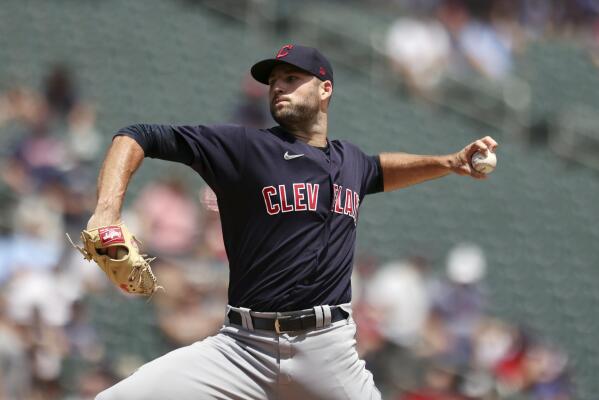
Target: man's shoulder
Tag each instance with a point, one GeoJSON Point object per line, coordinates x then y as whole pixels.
{"type": "Point", "coordinates": [344, 144]}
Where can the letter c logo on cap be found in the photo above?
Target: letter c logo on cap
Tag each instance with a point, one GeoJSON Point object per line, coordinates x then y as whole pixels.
{"type": "Point", "coordinates": [284, 50]}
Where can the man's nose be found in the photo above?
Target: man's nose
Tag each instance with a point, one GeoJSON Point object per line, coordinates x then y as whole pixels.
{"type": "Point", "coordinates": [277, 88]}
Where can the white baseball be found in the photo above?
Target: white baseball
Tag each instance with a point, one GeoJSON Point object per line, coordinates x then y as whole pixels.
{"type": "Point", "coordinates": [484, 164]}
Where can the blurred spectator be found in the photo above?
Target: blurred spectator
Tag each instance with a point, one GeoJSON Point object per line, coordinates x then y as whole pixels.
{"type": "Point", "coordinates": [186, 313]}
{"type": "Point", "coordinates": [93, 382]}
{"type": "Point", "coordinates": [37, 225]}
{"type": "Point", "coordinates": [27, 298]}
{"type": "Point", "coordinates": [547, 369]}
{"type": "Point", "coordinates": [486, 51]}
{"type": "Point", "coordinates": [47, 346]}
{"type": "Point", "coordinates": [477, 46]}
{"type": "Point", "coordinates": [78, 198]}
{"type": "Point", "coordinates": [15, 378]}
{"type": "Point", "coordinates": [22, 105]}
{"type": "Point", "coordinates": [458, 321]}
{"type": "Point", "coordinates": [510, 369]}
{"type": "Point", "coordinates": [536, 16]}
{"type": "Point", "coordinates": [459, 302]}
{"type": "Point", "coordinates": [82, 137]}
{"type": "Point", "coordinates": [419, 50]}
{"type": "Point", "coordinates": [491, 343]}
{"type": "Point", "coordinates": [252, 108]}
{"type": "Point", "coordinates": [505, 19]}
{"type": "Point", "coordinates": [365, 266]}
{"type": "Point", "coordinates": [212, 244]}
{"type": "Point", "coordinates": [35, 155]}
{"type": "Point", "coordinates": [82, 337]}
{"type": "Point", "coordinates": [440, 383]}
{"type": "Point", "coordinates": [398, 293]}
{"type": "Point", "coordinates": [60, 91]}
{"type": "Point", "coordinates": [37, 158]}
{"type": "Point", "coordinates": [169, 218]}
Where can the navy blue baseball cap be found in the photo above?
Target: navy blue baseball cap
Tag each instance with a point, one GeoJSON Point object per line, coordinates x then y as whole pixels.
{"type": "Point", "coordinates": [305, 58]}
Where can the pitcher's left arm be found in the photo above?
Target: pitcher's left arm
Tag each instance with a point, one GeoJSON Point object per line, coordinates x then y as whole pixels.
{"type": "Point", "coordinates": [402, 170]}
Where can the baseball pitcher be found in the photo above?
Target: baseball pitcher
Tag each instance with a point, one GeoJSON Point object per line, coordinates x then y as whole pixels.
{"type": "Point", "coordinates": [289, 199]}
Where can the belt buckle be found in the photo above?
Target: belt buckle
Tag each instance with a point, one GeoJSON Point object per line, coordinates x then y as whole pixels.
{"type": "Point", "coordinates": [278, 317]}
{"type": "Point", "coordinates": [277, 326]}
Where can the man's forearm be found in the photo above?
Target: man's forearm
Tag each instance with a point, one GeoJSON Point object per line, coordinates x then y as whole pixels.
{"type": "Point", "coordinates": [123, 158]}
{"type": "Point", "coordinates": [401, 169]}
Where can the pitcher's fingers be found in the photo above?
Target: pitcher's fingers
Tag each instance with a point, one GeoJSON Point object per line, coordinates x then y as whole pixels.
{"type": "Point", "coordinates": [478, 145]}
{"type": "Point", "coordinates": [112, 252]}
{"type": "Point", "coordinates": [491, 143]}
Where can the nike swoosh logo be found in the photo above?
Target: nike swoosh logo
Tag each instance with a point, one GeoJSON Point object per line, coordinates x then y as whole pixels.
{"type": "Point", "coordinates": [288, 156]}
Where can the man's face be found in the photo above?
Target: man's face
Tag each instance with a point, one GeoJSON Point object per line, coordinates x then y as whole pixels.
{"type": "Point", "coordinates": [293, 95]}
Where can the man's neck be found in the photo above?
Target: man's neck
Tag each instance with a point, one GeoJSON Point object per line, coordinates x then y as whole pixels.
{"type": "Point", "coordinates": [313, 133]}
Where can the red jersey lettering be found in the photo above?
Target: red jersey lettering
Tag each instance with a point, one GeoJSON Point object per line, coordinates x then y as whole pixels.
{"type": "Point", "coordinates": [271, 208]}
{"type": "Point", "coordinates": [338, 191]}
{"type": "Point", "coordinates": [305, 197]}
{"type": "Point", "coordinates": [312, 196]}
{"type": "Point", "coordinates": [349, 203]}
{"type": "Point", "coordinates": [298, 196]}
{"type": "Point", "coordinates": [356, 206]}
{"type": "Point", "coordinates": [335, 194]}
{"type": "Point", "coordinates": [285, 207]}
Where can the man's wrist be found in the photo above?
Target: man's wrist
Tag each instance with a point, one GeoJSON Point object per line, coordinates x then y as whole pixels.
{"type": "Point", "coordinates": [449, 161]}
{"type": "Point", "coordinates": [106, 211]}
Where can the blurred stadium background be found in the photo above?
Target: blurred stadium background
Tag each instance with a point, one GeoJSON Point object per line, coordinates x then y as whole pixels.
{"type": "Point", "coordinates": [462, 289]}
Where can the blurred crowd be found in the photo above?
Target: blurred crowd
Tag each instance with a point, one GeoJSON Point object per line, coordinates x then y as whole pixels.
{"type": "Point", "coordinates": [58, 314]}
{"type": "Point", "coordinates": [429, 336]}
{"type": "Point", "coordinates": [436, 39]}
{"type": "Point", "coordinates": [66, 333]}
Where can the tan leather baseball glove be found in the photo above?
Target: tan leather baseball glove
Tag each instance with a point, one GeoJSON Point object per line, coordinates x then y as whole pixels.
{"type": "Point", "coordinates": [131, 270]}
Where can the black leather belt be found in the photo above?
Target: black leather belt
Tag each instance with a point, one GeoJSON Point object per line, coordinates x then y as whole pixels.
{"type": "Point", "coordinates": [288, 322]}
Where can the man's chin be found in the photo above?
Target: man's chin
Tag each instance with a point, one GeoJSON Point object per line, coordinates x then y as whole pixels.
{"type": "Point", "coordinates": [283, 119]}
{"type": "Point", "coordinates": [287, 117]}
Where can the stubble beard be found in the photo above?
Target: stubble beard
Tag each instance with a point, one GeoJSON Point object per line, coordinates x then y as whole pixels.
{"type": "Point", "coordinates": [296, 116]}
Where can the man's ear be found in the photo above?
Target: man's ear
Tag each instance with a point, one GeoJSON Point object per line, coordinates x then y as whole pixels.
{"type": "Point", "coordinates": [326, 90]}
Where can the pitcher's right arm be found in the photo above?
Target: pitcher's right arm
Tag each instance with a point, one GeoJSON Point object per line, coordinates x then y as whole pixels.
{"type": "Point", "coordinates": [124, 157]}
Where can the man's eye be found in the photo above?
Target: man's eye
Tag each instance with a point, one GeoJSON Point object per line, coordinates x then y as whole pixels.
{"type": "Point", "coordinates": [291, 78]}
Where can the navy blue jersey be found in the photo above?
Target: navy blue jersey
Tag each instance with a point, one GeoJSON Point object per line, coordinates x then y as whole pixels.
{"type": "Point", "coordinates": [289, 211]}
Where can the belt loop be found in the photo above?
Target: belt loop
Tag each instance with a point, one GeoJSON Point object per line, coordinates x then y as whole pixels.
{"type": "Point", "coordinates": [227, 311]}
{"type": "Point", "coordinates": [327, 315]}
{"type": "Point", "coordinates": [318, 312]}
{"type": "Point", "coordinates": [246, 318]}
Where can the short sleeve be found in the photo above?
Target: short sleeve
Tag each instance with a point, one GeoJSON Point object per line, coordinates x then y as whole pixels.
{"type": "Point", "coordinates": [372, 179]}
{"type": "Point", "coordinates": [216, 152]}
{"type": "Point", "coordinates": [368, 170]}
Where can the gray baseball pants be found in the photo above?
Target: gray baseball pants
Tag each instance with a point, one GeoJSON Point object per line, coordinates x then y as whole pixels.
{"type": "Point", "coordinates": [246, 364]}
